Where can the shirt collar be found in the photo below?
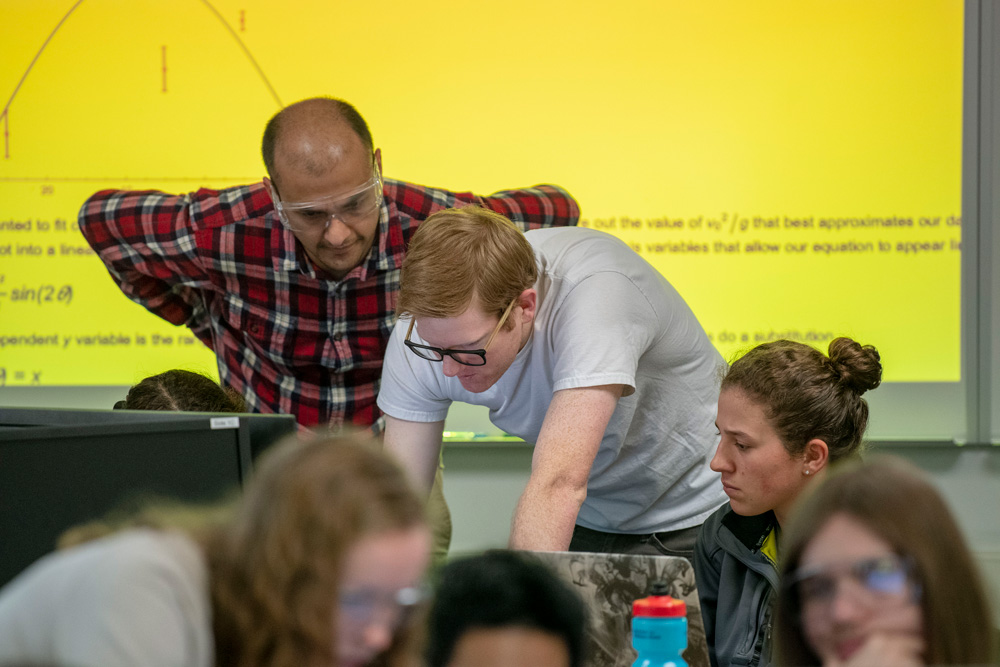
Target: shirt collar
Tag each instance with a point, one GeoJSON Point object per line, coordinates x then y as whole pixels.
{"type": "Point", "coordinates": [389, 241]}
{"type": "Point", "coordinates": [287, 249]}
{"type": "Point", "coordinates": [750, 530]}
{"type": "Point", "coordinates": [378, 255]}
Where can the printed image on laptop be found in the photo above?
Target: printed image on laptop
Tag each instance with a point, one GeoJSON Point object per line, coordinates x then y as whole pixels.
{"type": "Point", "coordinates": [608, 583]}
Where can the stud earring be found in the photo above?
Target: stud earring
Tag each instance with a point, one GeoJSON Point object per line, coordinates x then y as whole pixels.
{"type": "Point", "coordinates": [807, 472]}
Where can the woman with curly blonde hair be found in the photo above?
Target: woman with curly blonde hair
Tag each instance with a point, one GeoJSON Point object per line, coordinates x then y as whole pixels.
{"type": "Point", "coordinates": [319, 564]}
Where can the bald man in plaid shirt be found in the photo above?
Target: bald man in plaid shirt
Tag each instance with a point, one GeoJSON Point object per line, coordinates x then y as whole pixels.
{"type": "Point", "coordinates": [292, 281]}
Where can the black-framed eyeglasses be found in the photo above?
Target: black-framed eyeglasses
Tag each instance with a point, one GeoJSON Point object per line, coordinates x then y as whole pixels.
{"type": "Point", "coordinates": [464, 357]}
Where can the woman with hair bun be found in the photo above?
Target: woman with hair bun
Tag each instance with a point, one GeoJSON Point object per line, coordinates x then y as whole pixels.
{"type": "Point", "coordinates": [786, 412]}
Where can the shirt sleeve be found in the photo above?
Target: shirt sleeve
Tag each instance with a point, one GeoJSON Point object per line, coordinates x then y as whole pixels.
{"type": "Point", "coordinates": [147, 242]}
{"type": "Point", "coordinates": [137, 598]}
{"type": "Point", "coordinates": [145, 617]}
{"type": "Point", "coordinates": [410, 385]}
{"type": "Point", "coordinates": [535, 208]}
{"type": "Point", "coordinates": [599, 332]}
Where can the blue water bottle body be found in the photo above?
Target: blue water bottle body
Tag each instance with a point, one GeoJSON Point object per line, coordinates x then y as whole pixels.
{"type": "Point", "coordinates": [659, 641]}
{"type": "Point", "coordinates": [659, 629]}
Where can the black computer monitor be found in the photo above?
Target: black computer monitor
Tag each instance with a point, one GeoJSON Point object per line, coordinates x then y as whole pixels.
{"type": "Point", "coordinates": [55, 477]}
{"type": "Point", "coordinates": [262, 430]}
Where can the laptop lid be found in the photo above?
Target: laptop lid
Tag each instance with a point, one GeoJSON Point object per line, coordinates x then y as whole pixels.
{"type": "Point", "coordinates": [608, 583]}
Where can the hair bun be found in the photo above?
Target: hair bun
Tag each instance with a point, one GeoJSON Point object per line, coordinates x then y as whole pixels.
{"type": "Point", "coordinates": [859, 366]}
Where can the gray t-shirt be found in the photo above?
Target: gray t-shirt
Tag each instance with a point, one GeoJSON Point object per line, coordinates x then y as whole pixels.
{"type": "Point", "coordinates": [139, 597]}
{"type": "Point", "coordinates": [605, 316]}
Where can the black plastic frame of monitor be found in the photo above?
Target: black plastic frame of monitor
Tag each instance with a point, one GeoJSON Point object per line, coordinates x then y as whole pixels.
{"type": "Point", "coordinates": [256, 431]}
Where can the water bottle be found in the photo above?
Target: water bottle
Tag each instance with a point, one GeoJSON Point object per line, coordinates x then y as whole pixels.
{"type": "Point", "coordinates": [659, 629]}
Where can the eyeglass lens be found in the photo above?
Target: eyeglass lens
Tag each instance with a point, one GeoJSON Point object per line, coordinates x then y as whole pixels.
{"type": "Point", "coordinates": [886, 576]}
{"type": "Point", "coordinates": [434, 354]}
{"type": "Point", "coordinates": [351, 211]}
{"type": "Point", "coordinates": [366, 605]}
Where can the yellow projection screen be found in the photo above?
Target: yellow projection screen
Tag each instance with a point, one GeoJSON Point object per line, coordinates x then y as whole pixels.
{"type": "Point", "coordinates": [792, 167]}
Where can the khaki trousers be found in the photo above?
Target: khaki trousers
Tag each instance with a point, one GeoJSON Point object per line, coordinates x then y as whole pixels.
{"type": "Point", "coordinates": [439, 517]}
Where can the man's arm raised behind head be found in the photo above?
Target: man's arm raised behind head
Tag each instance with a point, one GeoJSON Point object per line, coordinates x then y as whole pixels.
{"type": "Point", "coordinates": [567, 445]}
{"type": "Point", "coordinates": [538, 207]}
{"type": "Point", "coordinates": [145, 242]}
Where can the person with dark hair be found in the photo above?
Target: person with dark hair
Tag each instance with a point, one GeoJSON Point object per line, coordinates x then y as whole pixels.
{"type": "Point", "coordinates": [875, 572]}
{"type": "Point", "coordinates": [505, 609]}
{"type": "Point", "coordinates": [182, 391]}
{"type": "Point", "coordinates": [786, 411]}
{"type": "Point", "coordinates": [320, 562]}
{"type": "Point", "coordinates": [291, 281]}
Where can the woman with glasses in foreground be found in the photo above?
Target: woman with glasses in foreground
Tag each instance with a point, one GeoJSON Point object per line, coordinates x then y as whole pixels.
{"type": "Point", "coordinates": [875, 572]}
{"type": "Point", "coordinates": [317, 564]}
{"type": "Point", "coordinates": [786, 411]}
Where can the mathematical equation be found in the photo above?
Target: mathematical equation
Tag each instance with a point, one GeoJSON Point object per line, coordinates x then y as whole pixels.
{"type": "Point", "coordinates": [19, 377]}
{"type": "Point", "coordinates": [42, 295]}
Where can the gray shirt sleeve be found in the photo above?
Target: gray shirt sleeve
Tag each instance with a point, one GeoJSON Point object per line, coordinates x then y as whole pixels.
{"type": "Point", "coordinates": [137, 598]}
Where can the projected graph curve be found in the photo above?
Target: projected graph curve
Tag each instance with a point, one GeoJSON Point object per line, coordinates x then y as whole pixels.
{"type": "Point", "coordinates": [5, 114]}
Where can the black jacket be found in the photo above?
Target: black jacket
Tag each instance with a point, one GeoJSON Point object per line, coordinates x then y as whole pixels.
{"type": "Point", "coordinates": [736, 584]}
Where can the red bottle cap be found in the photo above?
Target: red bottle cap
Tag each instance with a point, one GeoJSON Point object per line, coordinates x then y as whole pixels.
{"type": "Point", "coordinates": [659, 605]}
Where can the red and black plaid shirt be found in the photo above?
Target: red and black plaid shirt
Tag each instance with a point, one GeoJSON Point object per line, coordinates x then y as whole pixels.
{"type": "Point", "coordinates": [286, 337]}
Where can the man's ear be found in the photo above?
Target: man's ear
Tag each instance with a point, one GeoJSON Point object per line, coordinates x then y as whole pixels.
{"type": "Point", "coordinates": [528, 301]}
{"type": "Point", "coordinates": [378, 159]}
{"type": "Point", "coordinates": [816, 455]}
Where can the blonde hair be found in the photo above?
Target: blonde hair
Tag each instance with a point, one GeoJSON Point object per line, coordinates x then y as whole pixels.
{"type": "Point", "coordinates": [156, 513]}
{"type": "Point", "coordinates": [457, 255]}
{"type": "Point", "coordinates": [275, 568]}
